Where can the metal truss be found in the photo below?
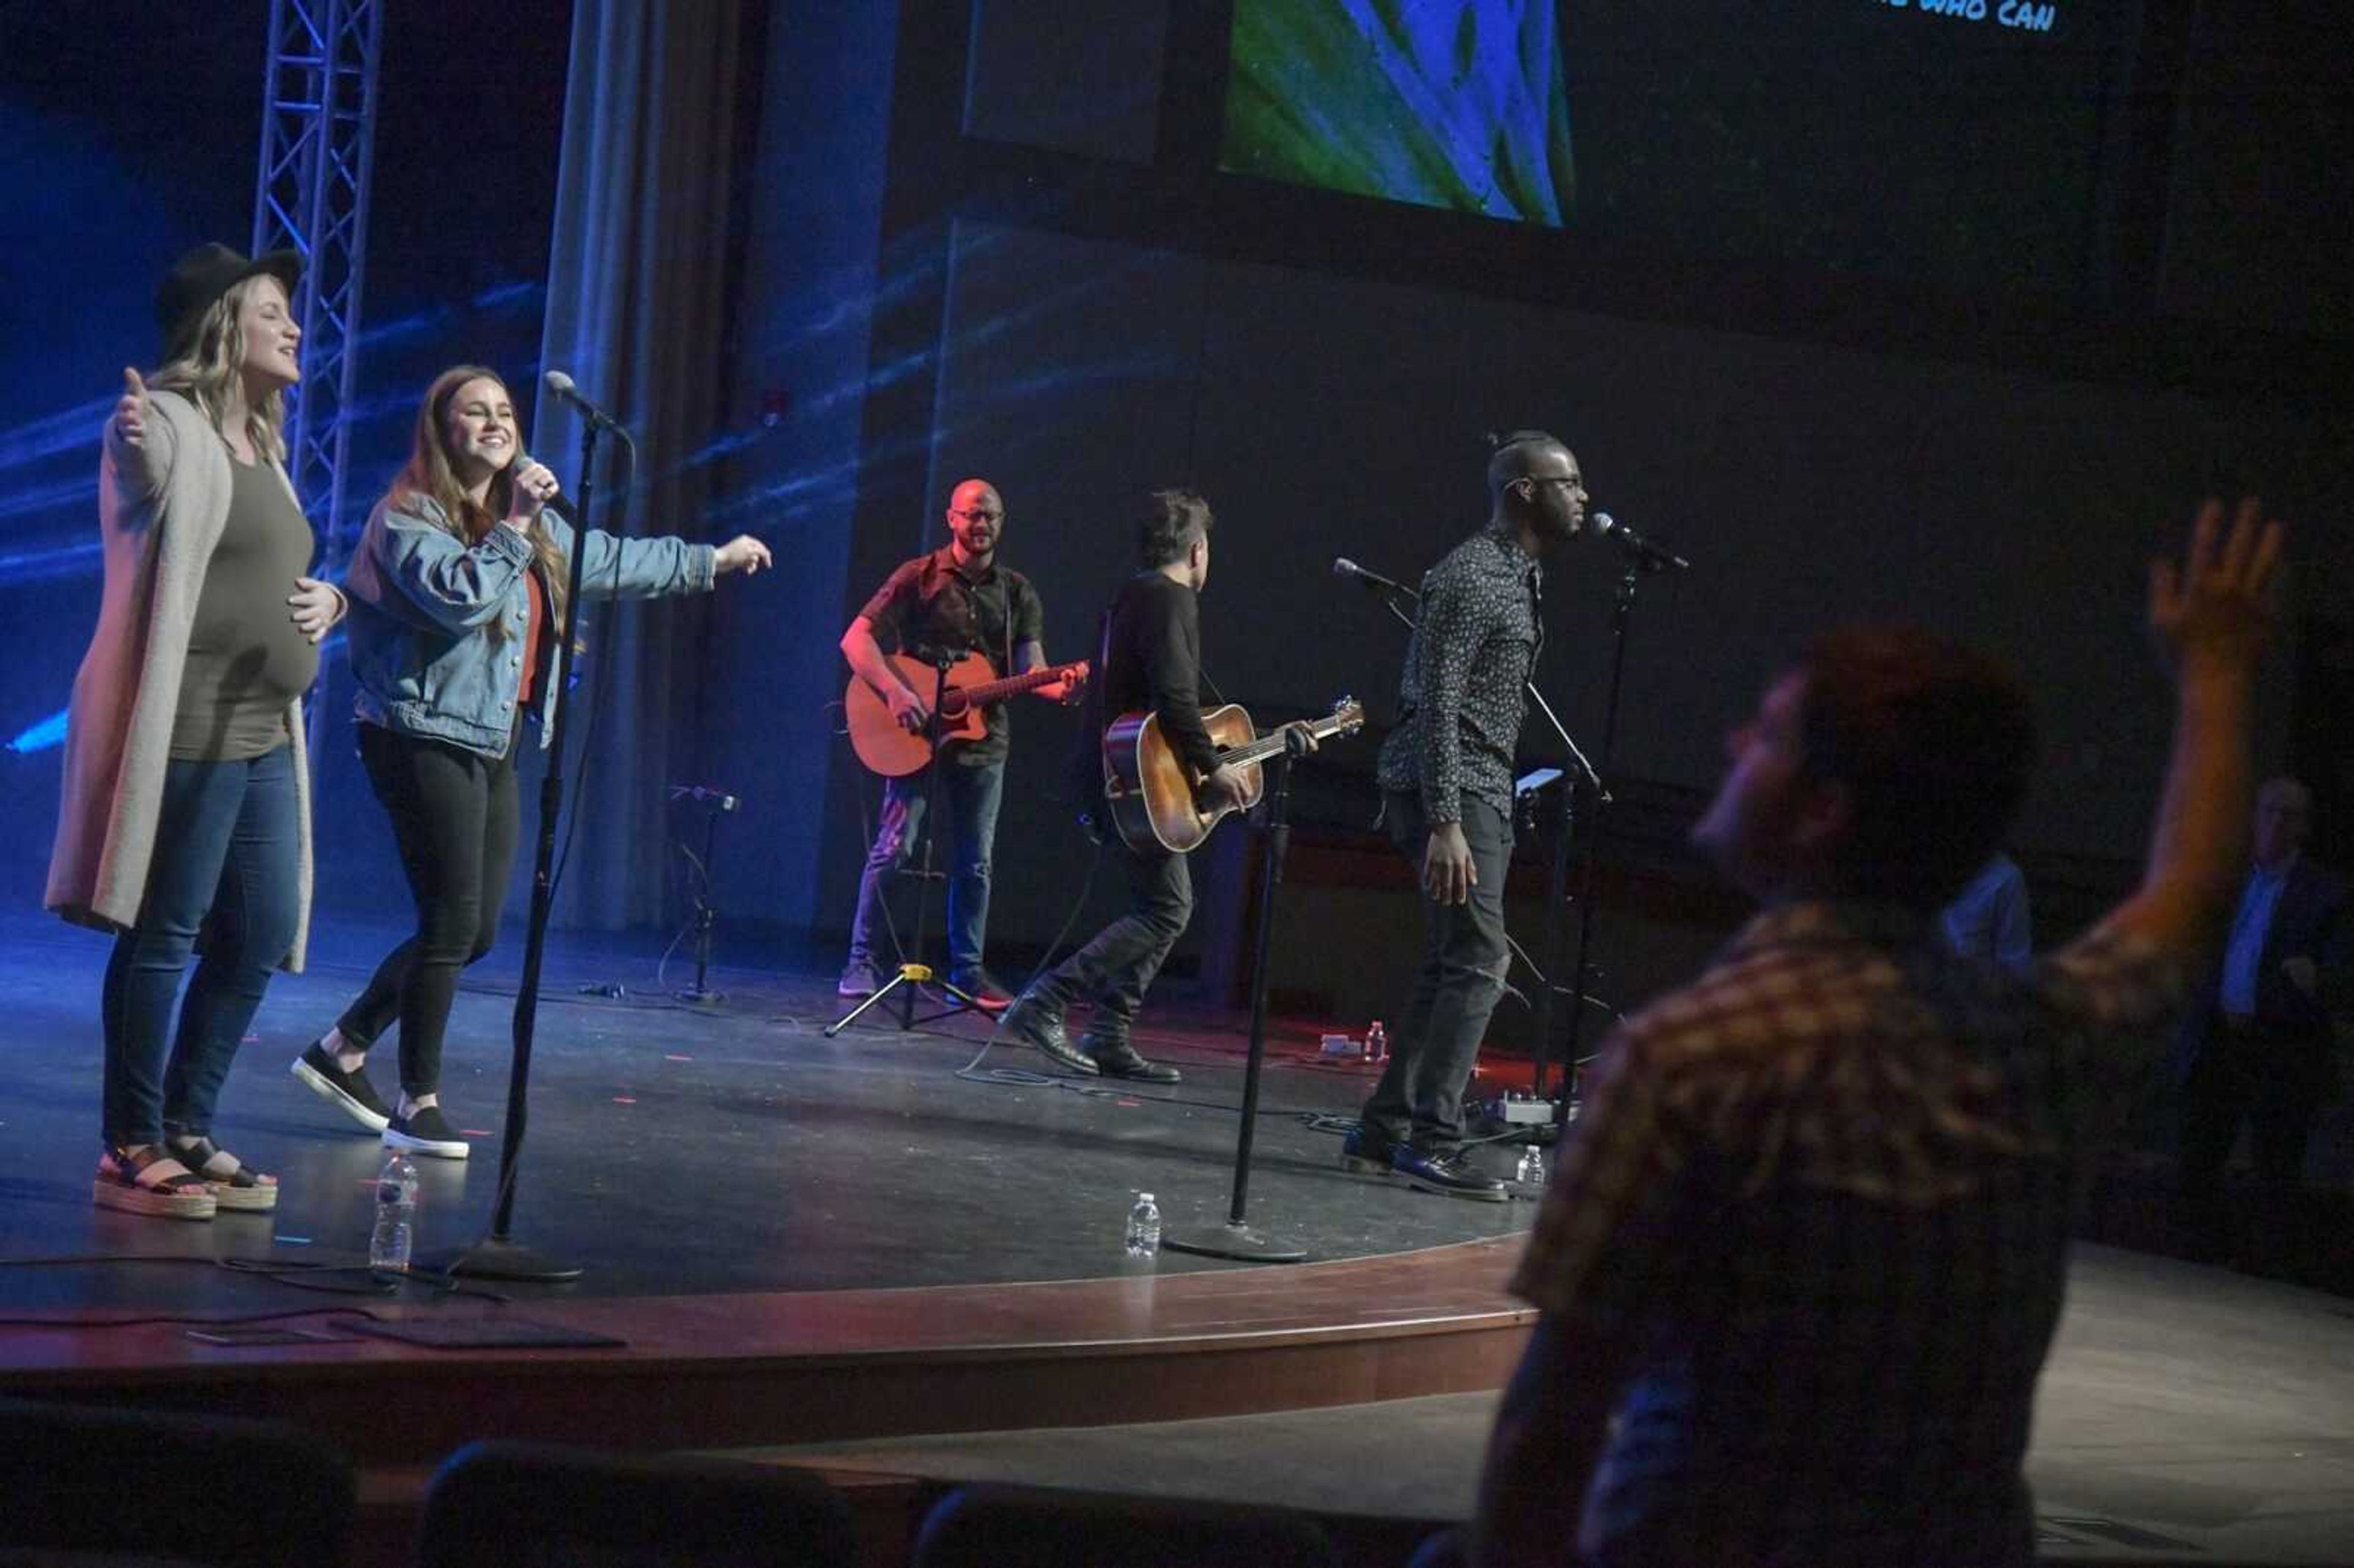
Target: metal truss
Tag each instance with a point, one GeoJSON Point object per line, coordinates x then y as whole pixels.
{"type": "Point", "coordinates": [311, 194]}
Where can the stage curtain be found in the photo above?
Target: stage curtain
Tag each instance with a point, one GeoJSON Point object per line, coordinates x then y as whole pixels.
{"type": "Point", "coordinates": [638, 298]}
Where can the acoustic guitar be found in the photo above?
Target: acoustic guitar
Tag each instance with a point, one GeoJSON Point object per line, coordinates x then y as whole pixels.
{"type": "Point", "coordinates": [1152, 790]}
{"type": "Point", "coordinates": [973, 686]}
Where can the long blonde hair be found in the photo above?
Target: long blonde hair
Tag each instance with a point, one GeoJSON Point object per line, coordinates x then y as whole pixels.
{"type": "Point", "coordinates": [211, 365]}
{"type": "Point", "coordinates": [428, 474]}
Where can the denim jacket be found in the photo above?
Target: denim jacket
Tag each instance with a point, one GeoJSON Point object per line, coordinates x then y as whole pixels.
{"type": "Point", "coordinates": [423, 603]}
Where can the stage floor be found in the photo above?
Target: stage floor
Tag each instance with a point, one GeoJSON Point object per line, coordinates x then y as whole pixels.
{"type": "Point", "coordinates": [2187, 1414]}
{"type": "Point", "coordinates": [751, 1203]}
{"type": "Point", "coordinates": [681, 1151]}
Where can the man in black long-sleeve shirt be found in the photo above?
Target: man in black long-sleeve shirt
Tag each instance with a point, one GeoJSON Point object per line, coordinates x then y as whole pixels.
{"type": "Point", "coordinates": [1151, 659]}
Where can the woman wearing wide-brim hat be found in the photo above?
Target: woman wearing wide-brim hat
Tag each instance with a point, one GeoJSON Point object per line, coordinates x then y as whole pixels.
{"type": "Point", "coordinates": [185, 807]}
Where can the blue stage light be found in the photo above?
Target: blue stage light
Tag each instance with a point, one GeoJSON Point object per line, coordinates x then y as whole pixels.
{"type": "Point", "coordinates": [49, 732]}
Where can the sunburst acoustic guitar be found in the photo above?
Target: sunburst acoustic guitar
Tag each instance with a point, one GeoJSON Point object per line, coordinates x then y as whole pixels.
{"type": "Point", "coordinates": [1152, 790]}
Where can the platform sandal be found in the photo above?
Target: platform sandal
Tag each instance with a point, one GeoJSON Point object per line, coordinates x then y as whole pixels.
{"type": "Point", "coordinates": [235, 1185]}
{"type": "Point", "coordinates": [149, 1181]}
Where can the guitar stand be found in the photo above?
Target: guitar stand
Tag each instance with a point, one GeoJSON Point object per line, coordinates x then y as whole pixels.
{"type": "Point", "coordinates": [1236, 1239]}
{"type": "Point", "coordinates": [914, 974]}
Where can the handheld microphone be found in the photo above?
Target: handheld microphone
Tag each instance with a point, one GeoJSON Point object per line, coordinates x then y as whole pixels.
{"type": "Point", "coordinates": [560, 384]}
{"type": "Point", "coordinates": [1652, 554]}
{"type": "Point", "coordinates": [1344, 567]}
{"type": "Point", "coordinates": [557, 503]}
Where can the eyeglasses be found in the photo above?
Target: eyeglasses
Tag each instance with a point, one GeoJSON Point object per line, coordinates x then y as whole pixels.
{"type": "Point", "coordinates": [1574, 481]}
{"type": "Point", "coordinates": [975, 515]}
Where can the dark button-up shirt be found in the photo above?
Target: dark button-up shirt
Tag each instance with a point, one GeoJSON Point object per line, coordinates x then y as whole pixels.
{"type": "Point", "coordinates": [1815, 1220]}
{"type": "Point", "coordinates": [1467, 667]}
{"type": "Point", "coordinates": [931, 607]}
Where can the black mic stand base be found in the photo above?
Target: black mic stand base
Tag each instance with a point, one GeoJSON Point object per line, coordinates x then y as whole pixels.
{"type": "Point", "coordinates": [1238, 1242]}
{"type": "Point", "coordinates": [493, 1258]}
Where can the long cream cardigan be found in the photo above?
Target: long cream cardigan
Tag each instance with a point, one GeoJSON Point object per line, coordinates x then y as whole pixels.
{"type": "Point", "coordinates": [161, 507]}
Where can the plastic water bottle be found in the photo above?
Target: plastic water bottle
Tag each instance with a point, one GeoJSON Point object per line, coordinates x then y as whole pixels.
{"type": "Point", "coordinates": [1377, 1042]}
{"type": "Point", "coordinates": [1143, 1227]}
{"type": "Point", "coordinates": [396, 1215]}
{"type": "Point", "coordinates": [1531, 1169]}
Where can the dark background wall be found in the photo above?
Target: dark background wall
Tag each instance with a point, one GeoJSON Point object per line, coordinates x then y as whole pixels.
{"type": "Point", "coordinates": [993, 239]}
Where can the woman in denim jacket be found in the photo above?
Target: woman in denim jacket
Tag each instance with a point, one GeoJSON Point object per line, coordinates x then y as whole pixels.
{"type": "Point", "coordinates": [456, 593]}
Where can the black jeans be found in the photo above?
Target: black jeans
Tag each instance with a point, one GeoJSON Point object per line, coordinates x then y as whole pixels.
{"type": "Point", "coordinates": [1114, 969]}
{"type": "Point", "coordinates": [2274, 1079]}
{"type": "Point", "coordinates": [454, 815]}
{"type": "Point", "coordinates": [1419, 1100]}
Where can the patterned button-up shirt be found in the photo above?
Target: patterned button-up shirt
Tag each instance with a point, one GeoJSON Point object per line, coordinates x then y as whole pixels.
{"type": "Point", "coordinates": [1466, 668]}
{"type": "Point", "coordinates": [1817, 1208]}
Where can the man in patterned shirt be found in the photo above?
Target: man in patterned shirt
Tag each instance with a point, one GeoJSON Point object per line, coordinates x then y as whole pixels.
{"type": "Point", "coordinates": [1447, 782]}
{"type": "Point", "coordinates": [1801, 1262]}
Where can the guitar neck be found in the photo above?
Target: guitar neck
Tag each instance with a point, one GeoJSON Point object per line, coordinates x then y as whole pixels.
{"type": "Point", "coordinates": [1013, 685]}
{"type": "Point", "coordinates": [1269, 746]}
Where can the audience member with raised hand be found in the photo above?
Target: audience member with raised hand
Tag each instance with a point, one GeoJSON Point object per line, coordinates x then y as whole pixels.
{"type": "Point", "coordinates": [1803, 1253]}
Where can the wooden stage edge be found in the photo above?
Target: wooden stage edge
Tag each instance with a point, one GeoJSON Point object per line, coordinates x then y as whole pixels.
{"type": "Point", "coordinates": [740, 1371]}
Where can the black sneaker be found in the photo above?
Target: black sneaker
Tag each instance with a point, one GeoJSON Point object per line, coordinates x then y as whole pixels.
{"type": "Point", "coordinates": [1364, 1153]}
{"type": "Point", "coordinates": [425, 1131]}
{"type": "Point", "coordinates": [982, 988]}
{"type": "Point", "coordinates": [1119, 1059]}
{"type": "Point", "coordinates": [858, 979]}
{"type": "Point", "coordinates": [1031, 1022]}
{"type": "Point", "coordinates": [1450, 1174]}
{"type": "Point", "coordinates": [350, 1093]}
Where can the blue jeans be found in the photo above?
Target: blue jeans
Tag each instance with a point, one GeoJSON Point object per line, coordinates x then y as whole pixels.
{"type": "Point", "coordinates": [969, 795]}
{"type": "Point", "coordinates": [226, 863]}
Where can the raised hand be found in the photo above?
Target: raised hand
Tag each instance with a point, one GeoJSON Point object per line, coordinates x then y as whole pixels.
{"type": "Point", "coordinates": [742, 554]}
{"type": "Point", "coordinates": [2215, 611]}
{"type": "Point", "coordinates": [130, 412]}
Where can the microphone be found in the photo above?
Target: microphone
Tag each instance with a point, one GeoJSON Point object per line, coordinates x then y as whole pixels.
{"type": "Point", "coordinates": [559, 502]}
{"type": "Point", "coordinates": [556, 381]}
{"type": "Point", "coordinates": [1652, 554]}
{"type": "Point", "coordinates": [1344, 567]}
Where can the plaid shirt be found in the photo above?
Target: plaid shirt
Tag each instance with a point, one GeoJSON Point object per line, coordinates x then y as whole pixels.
{"type": "Point", "coordinates": [1818, 1206]}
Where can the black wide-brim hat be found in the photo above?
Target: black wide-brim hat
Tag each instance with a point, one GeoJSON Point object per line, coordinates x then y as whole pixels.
{"type": "Point", "coordinates": [200, 278]}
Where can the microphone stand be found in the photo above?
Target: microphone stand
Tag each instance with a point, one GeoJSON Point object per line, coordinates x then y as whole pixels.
{"type": "Point", "coordinates": [1622, 612]}
{"type": "Point", "coordinates": [499, 1256]}
{"type": "Point", "coordinates": [1557, 871]}
{"type": "Point", "coordinates": [1235, 1240]}
{"type": "Point", "coordinates": [707, 915]}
